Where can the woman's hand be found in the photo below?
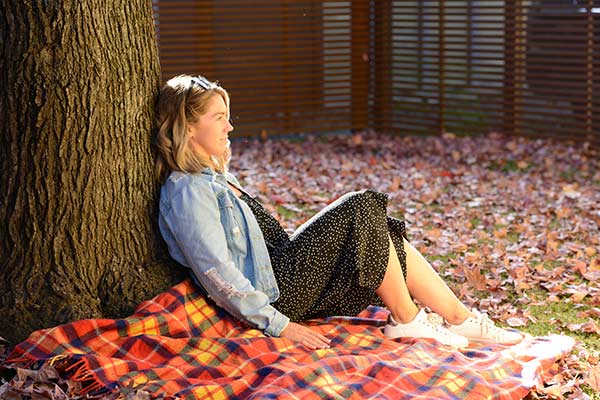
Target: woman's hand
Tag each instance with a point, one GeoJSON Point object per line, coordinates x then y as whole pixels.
{"type": "Point", "coordinates": [301, 334]}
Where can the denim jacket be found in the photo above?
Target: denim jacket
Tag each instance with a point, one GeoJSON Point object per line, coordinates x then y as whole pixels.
{"type": "Point", "coordinates": [208, 229]}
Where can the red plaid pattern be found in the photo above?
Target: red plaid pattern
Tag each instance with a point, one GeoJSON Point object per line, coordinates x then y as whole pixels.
{"type": "Point", "coordinates": [178, 345]}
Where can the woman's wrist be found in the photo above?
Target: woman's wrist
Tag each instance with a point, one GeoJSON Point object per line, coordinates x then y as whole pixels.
{"type": "Point", "coordinates": [277, 325]}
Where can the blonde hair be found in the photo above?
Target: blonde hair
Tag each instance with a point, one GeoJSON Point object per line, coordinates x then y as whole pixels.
{"type": "Point", "coordinates": [181, 101]}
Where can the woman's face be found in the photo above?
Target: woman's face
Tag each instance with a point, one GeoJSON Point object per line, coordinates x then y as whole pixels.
{"type": "Point", "coordinates": [209, 136]}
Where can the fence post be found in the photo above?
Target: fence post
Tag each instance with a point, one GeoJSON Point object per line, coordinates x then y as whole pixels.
{"type": "Point", "coordinates": [514, 66]}
{"type": "Point", "coordinates": [442, 68]}
{"type": "Point", "coordinates": [360, 64]}
{"type": "Point", "coordinates": [589, 125]}
{"type": "Point", "coordinates": [383, 106]}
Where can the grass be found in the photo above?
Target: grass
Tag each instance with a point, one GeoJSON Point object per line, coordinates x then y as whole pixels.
{"type": "Point", "coordinates": [550, 317]}
{"type": "Point", "coordinates": [550, 320]}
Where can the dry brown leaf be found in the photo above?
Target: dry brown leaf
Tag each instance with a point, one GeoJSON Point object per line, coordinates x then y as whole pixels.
{"type": "Point", "coordinates": [552, 247]}
{"type": "Point", "coordinates": [594, 265]}
{"type": "Point", "coordinates": [592, 276]}
{"type": "Point", "coordinates": [577, 297]}
{"type": "Point", "coordinates": [357, 139]}
{"type": "Point", "coordinates": [563, 212]}
{"type": "Point", "coordinates": [500, 233]}
{"type": "Point", "coordinates": [475, 278]}
{"type": "Point", "coordinates": [553, 391]}
{"type": "Point", "coordinates": [460, 247]}
{"type": "Point", "coordinates": [515, 322]}
{"type": "Point", "coordinates": [592, 312]}
{"type": "Point", "coordinates": [433, 234]}
{"type": "Point", "coordinates": [593, 378]}
{"type": "Point", "coordinates": [590, 251]}
{"type": "Point", "coordinates": [580, 267]}
{"type": "Point", "coordinates": [473, 257]}
{"type": "Point", "coordinates": [522, 164]}
{"type": "Point", "coordinates": [418, 183]}
{"type": "Point", "coordinates": [519, 273]}
{"type": "Point", "coordinates": [395, 184]}
{"type": "Point", "coordinates": [587, 327]}
{"type": "Point", "coordinates": [570, 191]}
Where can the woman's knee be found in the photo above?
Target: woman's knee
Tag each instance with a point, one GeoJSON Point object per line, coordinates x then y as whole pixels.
{"type": "Point", "coordinates": [365, 198]}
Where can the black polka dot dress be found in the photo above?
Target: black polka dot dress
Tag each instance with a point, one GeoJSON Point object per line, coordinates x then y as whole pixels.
{"type": "Point", "coordinates": [333, 263]}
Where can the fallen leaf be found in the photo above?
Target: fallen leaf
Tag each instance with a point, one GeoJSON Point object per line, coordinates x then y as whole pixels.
{"type": "Point", "coordinates": [593, 378]}
{"type": "Point", "coordinates": [580, 267]}
{"type": "Point", "coordinates": [515, 322]}
{"type": "Point", "coordinates": [563, 212]}
{"type": "Point", "coordinates": [418, 183]}
{"type": "Point", "coordinates": [475, 278]}
{"type": "Point", "coordinates": [590, 251]}
{"type": "Point", "coordinates": [460, 247]}
{"type": "Point", "coordinates": [500, 233]}
{"type": "Point", "coordinates": [594, 265]}
{"type": "Point", "coordinates": [522, 164]}
{"type": "Point", "coordinates": [357, 139]}
{"type": "Point", "coordinates": [577, 297]}
{"type": "Point", "coordinates": [592, 312]}
{"type": "Point", "coordinates": [395, 184]}
{"type": "Point", "coordinates": [571, 191]}
{"type": "Point", "coordinates": [587, 327]}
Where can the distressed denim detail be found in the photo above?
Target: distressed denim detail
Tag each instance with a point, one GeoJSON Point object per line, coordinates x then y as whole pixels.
{"type": "Point", "coordinates": [222, 285]}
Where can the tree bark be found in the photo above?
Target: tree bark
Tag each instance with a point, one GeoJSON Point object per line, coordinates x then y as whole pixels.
{"type": "Point", "coordinates": [78, 200]}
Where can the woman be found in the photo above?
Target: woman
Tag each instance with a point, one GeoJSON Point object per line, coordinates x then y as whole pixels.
{"type": "Point", "coordinates": [346, 257]}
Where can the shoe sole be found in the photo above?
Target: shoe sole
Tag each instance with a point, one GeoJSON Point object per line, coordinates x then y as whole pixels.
{"type": "Point", "coordinates": [489, 341]}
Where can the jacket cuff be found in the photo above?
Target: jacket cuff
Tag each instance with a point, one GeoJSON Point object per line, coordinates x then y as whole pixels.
{"type": "Point", "coordinates": [277, 324]}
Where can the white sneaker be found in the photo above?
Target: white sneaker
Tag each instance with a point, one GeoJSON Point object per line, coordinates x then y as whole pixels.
{"type": "Point", "coordinates": [422, 327]}
{"type": "Point", "coordinates": [435, 318]}
{"type": "Point", "coordinates": [481, 329]}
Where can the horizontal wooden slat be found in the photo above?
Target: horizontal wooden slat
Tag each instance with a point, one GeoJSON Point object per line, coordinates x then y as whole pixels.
{"type": "Point", "coordinates": [545, 65]}
{"type": "Point", "coordinates": [409, 65]}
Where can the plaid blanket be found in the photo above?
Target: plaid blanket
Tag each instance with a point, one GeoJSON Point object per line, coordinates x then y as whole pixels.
{"type": "Point", "coordinates": [178, 345]}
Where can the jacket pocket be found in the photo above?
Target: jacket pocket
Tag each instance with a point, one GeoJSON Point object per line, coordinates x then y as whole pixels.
{"type": "Point", "coordinates": [233, 226]}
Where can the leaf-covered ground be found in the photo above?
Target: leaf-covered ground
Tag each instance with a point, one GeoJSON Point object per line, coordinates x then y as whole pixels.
{"type": "Point", "coordinates": [511, 223]}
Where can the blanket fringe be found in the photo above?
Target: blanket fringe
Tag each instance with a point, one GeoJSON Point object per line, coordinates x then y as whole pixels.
{"type": "Point", "coordinates": [78, 371]}
{"type": "Point", "coordinates": [81, 373]}
{"type": "Point", "coordinates": [19, 358]}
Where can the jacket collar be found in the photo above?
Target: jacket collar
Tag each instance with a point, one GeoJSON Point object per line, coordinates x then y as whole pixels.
{"type": "Point", "coordinates": [208, 171]}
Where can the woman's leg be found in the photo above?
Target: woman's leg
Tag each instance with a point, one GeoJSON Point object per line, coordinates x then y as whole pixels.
{"type": "Point", "coordinates": [423, 280]}
{"type": "Point", "coordinates": [423, 283]}
{"type": "Point", "coordinates": [394, 292]}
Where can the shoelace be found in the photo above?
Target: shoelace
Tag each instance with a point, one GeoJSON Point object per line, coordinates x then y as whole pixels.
{"type": "Point", "coordinates": [488, 327]}
{"type": "Point", "coordinates": [435, 319]}
{"type": "Point", "coordinates": [438, 327]}
{"type": "Point", "coordinates": [438, 323]}
{"type": "Point", "coordinates": [485, 323]}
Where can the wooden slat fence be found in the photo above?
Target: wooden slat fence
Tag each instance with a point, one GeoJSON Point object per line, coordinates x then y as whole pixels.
{"type": "Point", "coordinates": [522, 67]}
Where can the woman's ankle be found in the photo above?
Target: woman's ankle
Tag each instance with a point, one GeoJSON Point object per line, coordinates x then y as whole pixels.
{"type": "Point", "coordinates": [404, 316]}
{"type": "Point", "coordinates": [459, 316]}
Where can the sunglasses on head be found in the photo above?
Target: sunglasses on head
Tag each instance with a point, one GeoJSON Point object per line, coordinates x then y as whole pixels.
{"type": "Point", "coordinates": [202, 82]}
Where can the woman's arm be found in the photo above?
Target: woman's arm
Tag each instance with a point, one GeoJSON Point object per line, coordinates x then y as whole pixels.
{"type": "Point", "coordinates": [194, 220]}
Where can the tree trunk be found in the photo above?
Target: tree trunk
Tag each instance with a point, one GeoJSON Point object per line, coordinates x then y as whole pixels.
{"type": "Point", "coordinates": [78, 201]}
